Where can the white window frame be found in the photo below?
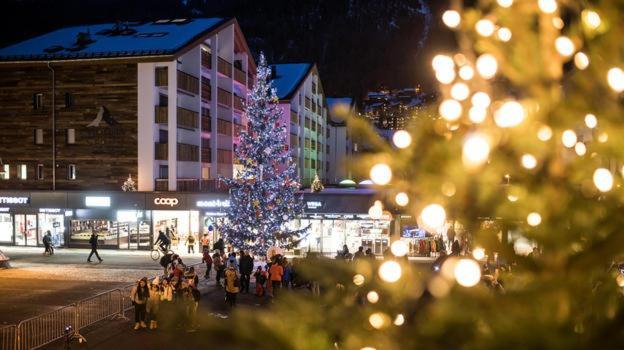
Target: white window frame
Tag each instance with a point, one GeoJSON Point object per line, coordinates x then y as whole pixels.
{"type": "Point", "coordinates": [71, 172]}
{"type": "Point", "coordinates": [22, 172]}
{"type": "Point", "coordinates": [7, 172]}
{"type": "Point", "coordinates": [38, 136]}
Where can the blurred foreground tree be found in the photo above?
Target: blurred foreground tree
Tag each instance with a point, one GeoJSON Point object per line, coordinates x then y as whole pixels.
{"type": "Point", "coordinates": [529, 135]}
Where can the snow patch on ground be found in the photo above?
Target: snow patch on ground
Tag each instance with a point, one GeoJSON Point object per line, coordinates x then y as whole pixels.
{"type": "Point", "coordinates": [70, 272]}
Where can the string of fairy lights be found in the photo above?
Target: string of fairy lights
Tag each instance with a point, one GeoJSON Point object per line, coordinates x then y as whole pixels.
{"type": "Point", "coordinates": [466, 83]}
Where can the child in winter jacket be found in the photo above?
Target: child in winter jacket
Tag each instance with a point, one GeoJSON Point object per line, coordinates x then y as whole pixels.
{"type": "Point", "coordinates": [261, 278]}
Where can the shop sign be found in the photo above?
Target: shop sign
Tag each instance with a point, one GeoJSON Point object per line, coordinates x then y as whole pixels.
{"type": "Point", "coordinates": [50, 210]}
{"type": "Point", "coordinates": [215, 203]}
{"type": "Point", "coordinates": [94, 201]}
{"type": "Point", "coordinates": [14, 200]}
{"type": "Point", "coordinates": [333, 216]}
{"type": "Point", "coordinates": [4, 210]}
{"type": "Point", "coordinates": [314, 205]}
{"type": "Point", "coordinates": [171, 202]}
{"type": "Point", "coordinates": [56, 224]}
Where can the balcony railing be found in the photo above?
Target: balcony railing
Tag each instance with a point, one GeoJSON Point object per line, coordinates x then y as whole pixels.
{"type": "Point", "coordinates": [213, 186]}
{"type": "Point", "coordinates": [225, 98]}
{"type": "Point", "coordinates": [250, 80]}
{"type": "Point", "coordinates": [238, 103]}
{"type": "Point", "coordinates": [239, 76]}
{"type": "Point", "coordinates": [206, 59]}
{"type": "Point", "coordinates": [161, 76]}
{"type": "Point", "coordinates": [206, 154]}
{"type": "Point", "coordinates": [188, 153]}
{"type": "Point", "coordinates": [206, 124]}
{"type": "Point", "coordinates": [161, 184]}
{"type": "Point", "coordinates": [206, 89]}
{"type": "Point", "coordinates": [191, 185]}
{"type": "Point", "coordinates": [224, 67]}
{"type": "Point", "coordinates": [188, 82]}
{"type": "Point", "coordinates": [187, 119]}
{"type": "Point", "coordinates": [160, 151]}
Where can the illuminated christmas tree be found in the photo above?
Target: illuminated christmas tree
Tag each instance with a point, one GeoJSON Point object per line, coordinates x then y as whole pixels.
{"type": "Point", "coordinates": [525, 153]}
{"type": "Point", "coordinates": [317, 185]}
{"type": "Point", "coordinates": [263, 196]}
{"type": "Point", "coordinates": [129, 185]}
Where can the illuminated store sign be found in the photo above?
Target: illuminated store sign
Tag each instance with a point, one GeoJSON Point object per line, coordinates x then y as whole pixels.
{"type": "Point", "coordinates": [215, 203]}
{"type": "Point", "coordinates": [14, 200]}
{"type": "Point", "coordinates": [172, 202]}
{"type": "Point", "coordinates": [92, 201]}
{"type": "Point", "coordinates": [312, 205]}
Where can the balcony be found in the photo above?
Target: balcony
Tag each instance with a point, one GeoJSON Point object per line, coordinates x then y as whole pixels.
{"type": "Point", "coordinates": [187, 119]}
{"type": "Point", "coordinates": [206, 89]}
{"type": "Point", "coordinates": [224, 98]}
{"type": "Point", "coordinates": [160, 151]}
{"type": "Point", "coordinates": [191, 185]}
{"type": "Point", "coordinates": [188, 83]}
{"type": "Point", "coordinates": [213, 186]}
{"type": "Point", "coordinates": [238, 103]}
{"type": "Point", "coordinates": [206, 124]}
{"type": "Point", "coordinates": [206, 155]}
{"type": "Point", "coordinates": [206, 59]}
{"type": "Point", "coordinates": [294, 118]}
{"type": "Point", "coordinates": [188, 153]}
{"type": "Point", "coordinates": [239, 76]}
{"type": "Point", "coordinates": [224, 67]}
{"type": "Point", "coordinates": [161, 78]}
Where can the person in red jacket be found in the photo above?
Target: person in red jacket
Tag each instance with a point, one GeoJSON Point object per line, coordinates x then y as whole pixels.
{"type": "Point", "coordinates": [276, 273]}
{"type": "Point", "coordinates": [207, 259]}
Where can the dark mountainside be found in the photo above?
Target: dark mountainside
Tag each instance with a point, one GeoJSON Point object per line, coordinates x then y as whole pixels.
{"type": "Point", "coordinates": [359, 45]}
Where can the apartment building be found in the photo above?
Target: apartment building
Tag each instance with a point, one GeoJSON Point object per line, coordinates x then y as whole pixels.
{"type": "Point", "coordinates": [340, 147]}
{"type": "Point", "coordinates": [86, 106]}
{"type": "Point", "coordinates": [302, 100]}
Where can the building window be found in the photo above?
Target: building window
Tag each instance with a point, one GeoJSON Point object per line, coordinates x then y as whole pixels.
{"type": "Point", "coordinates": [313, 165]}
{"type": "Point", "coordinates": [71, 136]}
{"type": "Point", "coordinates": [326, 166]}
{"type": "Point", "coordinates": [38, 101]}
{"type": "Point", "coordinates": [22, 172]}
{"type": "Point", "coordinates": [163, 172]}
{"type": "Point", "coordinates": [71, 172]}
{"type": "Point", "coordinates": [163, 100]}
{"type": "Point", "coordinates": [163, 136]}
{"type": "Point", "coordinates": [38, 136]}
{"type": "Point", "coordinates": [6, 174]}
{"type": "Point", "coordinates": [327, 149]}
{"type": "Point", "coordinates": [69, 100]}
{"type": "Point", "coordinates": [39, 171]}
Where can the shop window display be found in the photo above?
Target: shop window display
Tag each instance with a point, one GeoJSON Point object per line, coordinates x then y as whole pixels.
{"type": "Point", "coordinates": [81, 232]}
{"type": "Point", "coordinates": [26, 229]}
{"type": "Point", "coordinates": [55, 224]}
{"type": "Point", "coordinates": [177, 225]}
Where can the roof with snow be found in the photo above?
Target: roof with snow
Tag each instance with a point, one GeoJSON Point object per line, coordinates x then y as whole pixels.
{"type": "Point", "coordinates": [288, 77]}
{"type": "Point", "coordinates": [111, 40]}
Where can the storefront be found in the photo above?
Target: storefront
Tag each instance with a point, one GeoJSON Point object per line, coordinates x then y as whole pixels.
{"type": "Point", "coordinates": [133, 220]}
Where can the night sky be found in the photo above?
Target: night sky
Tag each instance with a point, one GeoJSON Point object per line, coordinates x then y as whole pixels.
{"type": "Point", "coordinates": [359, 45]}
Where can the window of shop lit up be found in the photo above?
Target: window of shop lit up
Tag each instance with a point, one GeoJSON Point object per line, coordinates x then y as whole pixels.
{"type": "Point", "coordinates": [177, 225]}
{"type": "Point", "coordinates": [130, 230]}
{"type": "Point", "coordinates": [329, 234]}
{"type": "Point", "coordinates": [6, 227]}
{"type": "Point", "coordinates": [52, 220]}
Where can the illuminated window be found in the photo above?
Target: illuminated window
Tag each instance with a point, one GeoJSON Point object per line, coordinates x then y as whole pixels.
{"type": "Point", "coordinates": [22, 172]}
{"type": "Point", "coordinates": [71, 172]}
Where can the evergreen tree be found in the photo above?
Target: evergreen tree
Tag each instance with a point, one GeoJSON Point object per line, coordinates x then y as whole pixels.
{"type": "Point", "coordinates": [263, 194]}
{"type": "Point", "coordinates": [317, 185]}
{"type": "Point", "coordinates": [129, 185]}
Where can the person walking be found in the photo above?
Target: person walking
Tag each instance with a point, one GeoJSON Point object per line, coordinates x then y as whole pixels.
{"type": "Point", "coordinates": [153, 303]}
{"type": "Point", "coordinates": [220, 246]}
{"type": "Point", "coordinates": [205, 242]}
{"type": "Point", "coordinates": [276, 273]}
{"type": "Point", "coordinates": [47, 243]}
{"type": "Point", "coordinates": [94, 245]}
{"type": "Point", "coordinates": [139, 296]}
{"type": "Point", "coordinates": [287, 278]}
{"type": "Point", "coordinates": [246, 269]}
{"type": "Point", "coordinates": [359, 254]}
{"type": "Point", "coordinates": [232, 284]}
{"type": "Point", "coordinates": [217, 261]}
{"type": "Point", "coordinates": [207, 259]}
{"type": "Point", "coordinates": [190, 243]}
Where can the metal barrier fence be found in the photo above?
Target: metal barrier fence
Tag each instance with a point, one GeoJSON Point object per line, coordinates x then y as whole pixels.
{"type": "Point", "coordinates": [44, 329]}
{"type": "Point", "coordinates": [8, 337]}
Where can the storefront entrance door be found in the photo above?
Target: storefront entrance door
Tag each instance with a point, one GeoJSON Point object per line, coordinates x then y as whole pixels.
{"type": "Point", "coordinates": [26, 229]}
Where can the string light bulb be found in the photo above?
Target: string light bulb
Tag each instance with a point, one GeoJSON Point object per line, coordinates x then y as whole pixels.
{"type": "Point", "coordinates": [372, 297]}
{"type": "Point", "coordinates": [467, 273]}
{"type": "Point", "coordinates": [485, 27]}
{"type": "Point", "coordinates": [481, 99]}
{"type": "Point", "coordinates": [615, 78]}
{"type": "Point", "coordinates": [544, 133]}
{"type": "Point", "coordinates": [580, 149]}
{"type": "Point", "coordinates": [381, 174]}
{"type": "Point", "coordinates": [528, 161]}
{"type": "Point", "coordinates": [581, 61]}
{"type": "Point", "coordinates": [402, 139]}
{"type": "Point", "coordinates": [504, 34]}
{"type": "Point", "coordinates": [534, 219]}
{"type": "Point", "coordinates": [509, 115]}
{"type": "Point", "coordinates": [568, 138]}
{"type": "Point", "coordinates": [591, 19]}
{"type": "Point", "coordinates": [477, 114]}
{"type": "Point", "coordinates": [547, 6]}
{"type": "Point", "coordinates": [399, 248]}
{"type": "Point", "coordinates": [390, 271]}
{"type": "Point", "coordinates": [460, 91]}
{"type": "Point", "coordinates": [478, 253]}
{"type": "Point", "coordinates": [476, 150]}
{"type": "Point", "coordinates": [433, 217]}
{"type": "Point", "coordinates": [564, 46]}
{"type": "Point", "coordinates": [487, 65]}
{"type": "Point", "coordinates": [450, 110]}
{"type": "Point", "coordinates": [591, 121]}
{"type": "Point", "coordinates": [466, 72]}
{"type": "Point", "coordinates": [505, 3]}
{"type": "Point", "coordinates": [451, 18]}
{"type": "Point", "coordinates": [603, 180]}
{"type": "Point", "coordinates": [401, 199]}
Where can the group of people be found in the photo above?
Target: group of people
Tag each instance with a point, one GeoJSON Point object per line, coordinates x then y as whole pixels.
{"type": "Point", "coordinates": [166, 239]}
{"type": "Point", "coordinates": [170, 300]}
{"type": "Point", "coordinates": [360, 254]}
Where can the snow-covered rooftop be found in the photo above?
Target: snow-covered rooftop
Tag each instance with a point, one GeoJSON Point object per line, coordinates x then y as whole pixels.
{"type": "Point", "coordinates": [288, 77]}
{"type": "Point", "coordinates": [162, 37]}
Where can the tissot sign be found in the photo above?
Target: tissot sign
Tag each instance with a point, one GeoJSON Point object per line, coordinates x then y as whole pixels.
{"type": "Point", "coordinates": [14, 200]}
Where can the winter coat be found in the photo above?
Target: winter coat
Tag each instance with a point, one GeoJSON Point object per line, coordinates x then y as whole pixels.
{"type": "Point", "coordinates": [246, 264]}
{"type": "Point", "coordinates": [139, 298]}
{"type": "Point", "coordinates": [231, 280]}
{"type": "Point", "coordinates": [153, 302]}
{"type": "Point", "coordinates": [207, 258]}
{"type": "Point", "coordinates": [277, 272]}
{"type": "Point", "coordinates": [93, 241]}
{"type": "Point", "coordinates": [167, 293]}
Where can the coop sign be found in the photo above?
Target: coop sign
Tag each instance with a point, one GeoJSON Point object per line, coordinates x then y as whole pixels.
{"type": "Point", "coordinates": [172, 202]}
{"type": "Point", "coordinates": [313, 205]}
{"type": "Point", "coordinates": [215, 203]}
{"type": "Point", "coordinates": [14, 200]}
